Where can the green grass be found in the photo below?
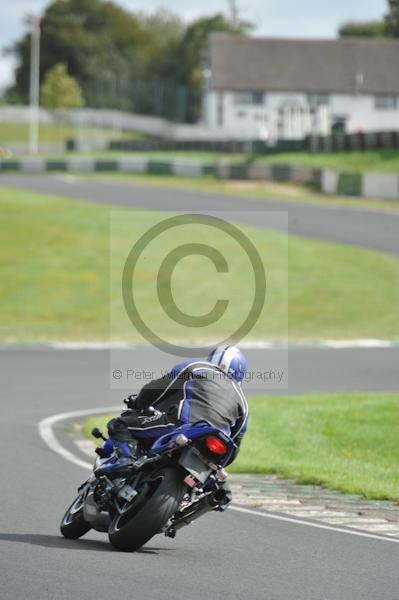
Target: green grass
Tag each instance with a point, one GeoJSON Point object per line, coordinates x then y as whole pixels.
{"type": "Point", "coordinates": [53, 268]}
{"type": "Point", "coordinates": [54, 278]}
{"type": "Point", "coordinates": [53, 133]}
{"type": "Point", "coordinates": [346, 441]}
{"type": "Point", "coordinates": [245, 189]}
{"type": "Point", "coordinates": [373, 160]}
{"type": "Point", "coordinates": [96, 421]}
{"type": "Point", "coordinates": [168, 155]}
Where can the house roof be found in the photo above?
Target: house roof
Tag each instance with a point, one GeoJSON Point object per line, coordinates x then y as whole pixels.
{"type": "Point", "coordinates": [321, 66]}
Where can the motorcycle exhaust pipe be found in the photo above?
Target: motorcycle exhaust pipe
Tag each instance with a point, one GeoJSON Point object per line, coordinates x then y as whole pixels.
{"type": "Point", "coordinates": [199, 508]}
{"type": "Point", "coordinates": [217, 497]}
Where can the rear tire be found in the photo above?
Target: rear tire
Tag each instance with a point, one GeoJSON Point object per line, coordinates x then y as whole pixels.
{"type": "Point", "coordinates": [149, 520]}
{"type": "Point", "coordinates": [73, 525]}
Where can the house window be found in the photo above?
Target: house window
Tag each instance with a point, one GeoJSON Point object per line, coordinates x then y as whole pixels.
{"type": "Point", "coordinates": [242, 98]}
{"type": "Point", "coordinates": [249, 98]}
{"type": "Point", "coordinates": [257, 98]}
{"type": "Point", "coordinates": [316, 100]}
{"type": "Point", "coordinates": [385, 102]}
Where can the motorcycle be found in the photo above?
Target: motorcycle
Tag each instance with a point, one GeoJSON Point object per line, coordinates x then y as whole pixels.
{"type": "Point", "coordinates": [174, 479]}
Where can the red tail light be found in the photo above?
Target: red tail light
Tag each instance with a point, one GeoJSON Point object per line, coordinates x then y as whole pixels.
{"type": "Point", "coordinates": [215, 445]}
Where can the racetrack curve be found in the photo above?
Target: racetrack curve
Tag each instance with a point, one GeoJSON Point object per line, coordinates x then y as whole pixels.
{"type": "Point", "coordinates": [234, 555]}
{"type": "Point", "coordinates": [373, 229]}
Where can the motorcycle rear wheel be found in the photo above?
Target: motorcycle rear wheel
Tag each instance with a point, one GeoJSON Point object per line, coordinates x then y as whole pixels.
{"type": "Point", "coordinates": [73, 524]}
{"type": "Point", "coordinates": [129, 534]}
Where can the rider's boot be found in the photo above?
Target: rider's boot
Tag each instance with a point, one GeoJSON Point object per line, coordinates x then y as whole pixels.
{"type": "Point", "coordinates": [121, 460]}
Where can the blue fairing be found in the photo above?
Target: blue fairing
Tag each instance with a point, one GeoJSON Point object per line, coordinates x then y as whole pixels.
{"type": "Point", "coordinates": [192, 431]}
{"type": "Point", "coordinates": [166, 438]}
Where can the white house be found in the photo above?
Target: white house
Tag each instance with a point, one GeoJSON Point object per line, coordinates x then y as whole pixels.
{"type": "Point", "coordinates": [265, 88]}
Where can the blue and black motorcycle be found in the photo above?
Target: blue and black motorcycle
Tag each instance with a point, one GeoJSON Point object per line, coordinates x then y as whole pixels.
{"type": "Point", "coordinates": [173, 480]}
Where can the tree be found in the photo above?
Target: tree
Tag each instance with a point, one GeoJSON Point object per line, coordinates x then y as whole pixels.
{"type": "Point", "coordinates": [151, 64]}
{"type": "Point", "coordinates": [95, 38]}
{"type": "Point", "coordinates": [60, 90]}
{"type": "Point", "coordinates": [367, 29]}
{"type": "Point", "coordinates": [168, 30]}
{"type": "Point", "coordinates": [388, 27]}
{"type": "Point", "coordinates": [191, 52]}
{"type": "Point", "coordinates": [392, 19]}
{"type": "Point", "coordinates": [164, 26]}
{"type": "Point", "coordinates": [185, 62]}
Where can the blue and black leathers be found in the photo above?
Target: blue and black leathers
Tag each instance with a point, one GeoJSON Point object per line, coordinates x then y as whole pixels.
{"type": "Point", "coordinates": [190, 392]}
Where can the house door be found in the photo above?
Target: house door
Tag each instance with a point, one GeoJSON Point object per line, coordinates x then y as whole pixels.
{"type": "Point", "coordinates": [291, 120]}
{"type": "Point", "coordinates": [338, 125]}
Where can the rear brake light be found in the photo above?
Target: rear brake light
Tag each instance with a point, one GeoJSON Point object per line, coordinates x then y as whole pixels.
{"type": "Point", "coordinates": [215, 445]}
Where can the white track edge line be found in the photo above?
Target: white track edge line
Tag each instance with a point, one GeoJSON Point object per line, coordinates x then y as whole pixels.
{"type": "Point", "coordinates": [255, 345]}
{"type": "Point", "coordinates": [313, 524]}
{"type": "Point", "coordinates": [46, 432]}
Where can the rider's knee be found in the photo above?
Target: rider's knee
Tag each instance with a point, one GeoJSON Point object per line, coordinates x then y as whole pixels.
{"type": "Point", "coordinates": [113, 425]}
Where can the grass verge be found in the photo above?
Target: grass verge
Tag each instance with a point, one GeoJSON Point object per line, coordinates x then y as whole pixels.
{"type": "Point", "coordinates": [54, 279]}
{"type": "Point", "coordinates": [56, 133]}
{"type": "Point", "coordinates": [245, 189]}
{"type": "Point", "coordinates": [168, 155]}
{"type": "Point", "coordinates": [373, 160]}
{"type": "Point", "coordinates": [344, 441]}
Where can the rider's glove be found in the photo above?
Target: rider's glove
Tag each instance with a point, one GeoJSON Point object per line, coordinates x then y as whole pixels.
{"type": "Point", "coordinates": [130, 401]}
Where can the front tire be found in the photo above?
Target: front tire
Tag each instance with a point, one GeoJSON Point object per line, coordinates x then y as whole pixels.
{"type": "Point", "coordinates": [129, 535]}
{"type": "Point", "coordinates": [73, 525]}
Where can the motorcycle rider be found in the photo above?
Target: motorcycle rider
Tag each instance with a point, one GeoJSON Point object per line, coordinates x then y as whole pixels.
{"type": "Point", "coordinates": [192, 391]}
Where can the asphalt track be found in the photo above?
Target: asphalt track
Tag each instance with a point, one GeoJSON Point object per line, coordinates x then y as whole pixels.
{"type": "Point", "coordinates": [377, 230]}
{"type": "Point", "coordinates": [235, 555]}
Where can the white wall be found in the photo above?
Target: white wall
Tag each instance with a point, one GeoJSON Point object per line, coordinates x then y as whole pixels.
{"type": "Point", "coordinates": [280, 116]}
{"type": "Point", "coordinates": [265, 121]}
{"type": "Point", "coordinates": [362, 115]}
{"type": "Point", "coordinates": [21, 114]}
{"type": "Point", "coordinates": [239, 122]}
{"type": "Point", "coordinates": [116, 121]}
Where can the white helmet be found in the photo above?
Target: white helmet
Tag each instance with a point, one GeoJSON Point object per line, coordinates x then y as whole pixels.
{"type": "Point", "coordinates": [230, 360]}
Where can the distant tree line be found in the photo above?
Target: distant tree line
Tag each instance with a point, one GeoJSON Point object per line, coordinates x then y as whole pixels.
{"type": "Point", "coordinates": [388, 27]}
{"type": "Point", "coordinates": [120, 59]}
